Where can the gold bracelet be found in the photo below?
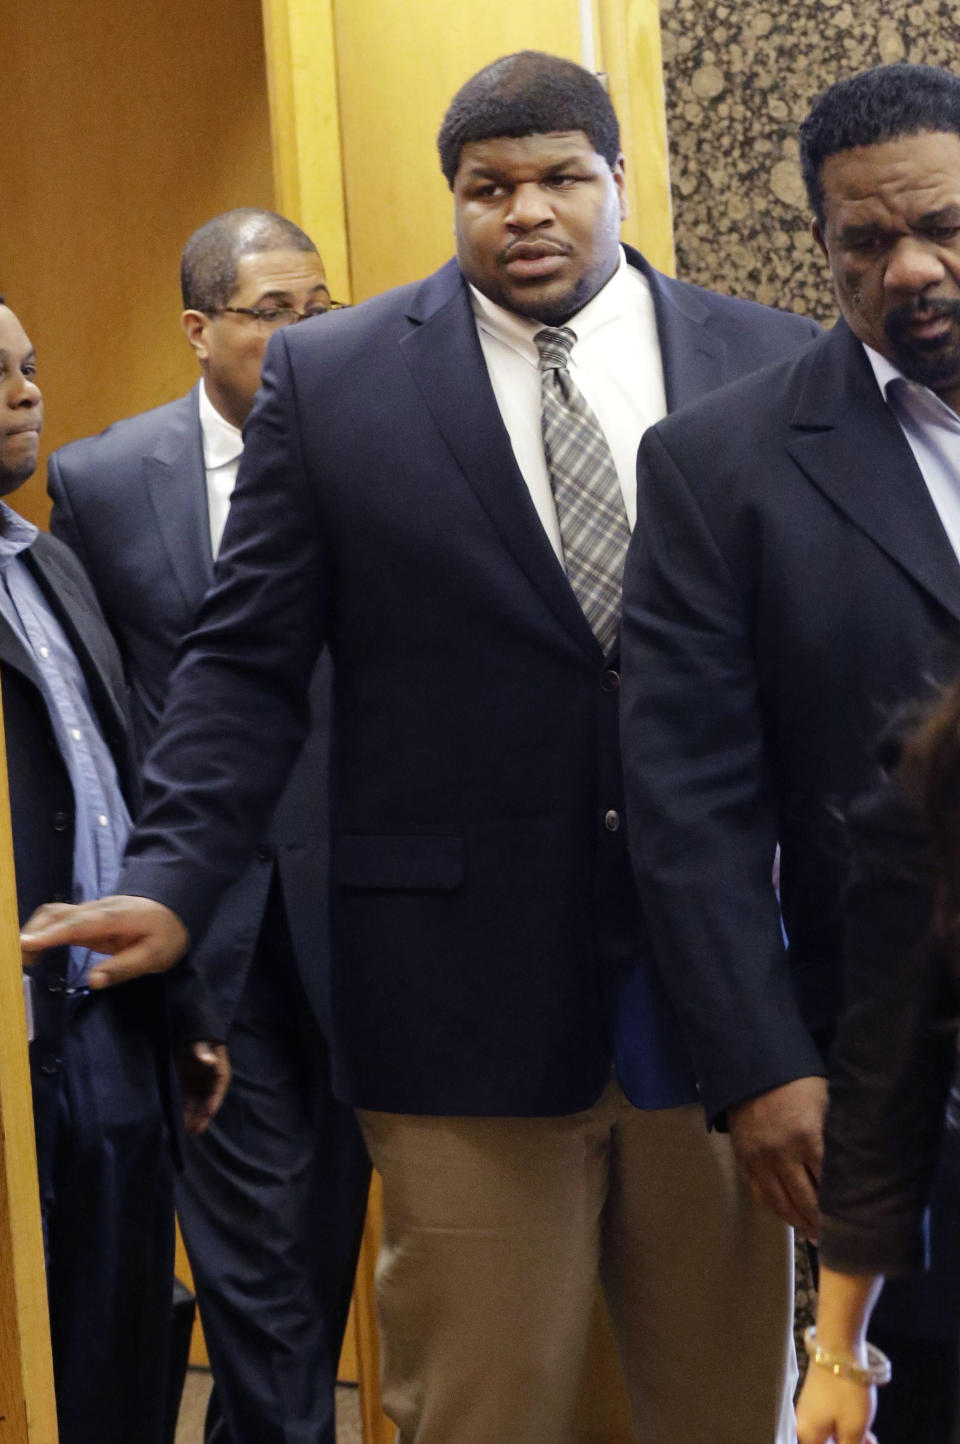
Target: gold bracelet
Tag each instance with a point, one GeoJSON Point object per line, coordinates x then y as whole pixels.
{"type": "Point", "coordinates": [877, 1370]}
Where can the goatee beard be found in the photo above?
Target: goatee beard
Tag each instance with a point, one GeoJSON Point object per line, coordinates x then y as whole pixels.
{"type": "Point", "coordinates": [934, 363]}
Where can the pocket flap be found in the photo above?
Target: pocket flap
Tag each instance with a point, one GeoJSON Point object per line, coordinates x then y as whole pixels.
{"type": "Point", "coordinates": [417, 860]}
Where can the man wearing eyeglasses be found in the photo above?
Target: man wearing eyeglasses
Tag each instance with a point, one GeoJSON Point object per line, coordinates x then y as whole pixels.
{"type": "Point", "coordinates": [272, 1198]}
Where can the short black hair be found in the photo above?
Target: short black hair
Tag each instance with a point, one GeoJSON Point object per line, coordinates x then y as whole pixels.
{"type": "Point", "coordinates": [528, 93]}
{"type": "Point", "coordinates": [208, 266]}
{"type": "Point", "coordinates": [875, 106]}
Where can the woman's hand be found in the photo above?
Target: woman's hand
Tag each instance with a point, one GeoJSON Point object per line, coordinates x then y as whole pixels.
{"type": "Point", "coordinates": [832, 1410]}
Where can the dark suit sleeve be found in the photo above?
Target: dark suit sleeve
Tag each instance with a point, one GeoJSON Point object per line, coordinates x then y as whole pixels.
{"type": "Point", "coordinates": [191, 1011]}
{"type": "Point", "coordinates": [702, 820]}
{"type": "Point", "coordinates": [237, 711]}
{"type": "Point", "coordinates": [62, 521]}
{"type": "Point", "coordinates": [895, 1052]}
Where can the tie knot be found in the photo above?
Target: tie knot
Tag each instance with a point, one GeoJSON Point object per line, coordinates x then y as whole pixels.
{"type": "Point", "coordinates": [554, 344]}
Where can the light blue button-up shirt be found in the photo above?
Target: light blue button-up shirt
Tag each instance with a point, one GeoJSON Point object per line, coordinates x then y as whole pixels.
{"type": "Point", "coordinates": [102, 822]}
{"type": "Point", "coordinates": [933, 431]}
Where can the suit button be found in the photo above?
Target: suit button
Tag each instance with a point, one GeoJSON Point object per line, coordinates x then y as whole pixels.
{"type": "Point", "coordinates": [51, 1065]}
{"type": "Point", "coordinates": [610, 681]}
{"type": "Point", "coordinates": [611, 820]}
{"type": "Point", "coordinates": [61, 821]}
{"type": "Point", "coordinates": [264, 854]}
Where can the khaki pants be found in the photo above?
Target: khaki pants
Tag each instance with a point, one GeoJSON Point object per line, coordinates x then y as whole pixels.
{"type": "Point", "coordinates": [495, 1231]}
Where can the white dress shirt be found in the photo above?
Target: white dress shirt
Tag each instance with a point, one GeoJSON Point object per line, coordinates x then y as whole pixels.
{"type": "Point", "coordinates": [933, 431]}
{"type": "Point", "coordinates": [615, 363]}
{"type": "Point", "coordinates": [222, 449]}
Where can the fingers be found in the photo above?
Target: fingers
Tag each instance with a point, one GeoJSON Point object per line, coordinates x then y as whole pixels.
{"type": "Point", "coordinates": [818, 1435]}
{"type": "Point", "coordinates": [800, 1188]}
{"type": "Point", "coordinates": [205, 1078]}
{"type": "Point", "coordinates": [206, 1054]}
{"type": "Point", "coordinates": [137, 935]}
{"type": "Point", "coordinates": [788, 1191]}
{"type": "Point", "coordinates": [834, 1411]}
{"type": "Point", "coordinates": [820, 1430]}
{"type": "Point", "coordinates": [198, 1115]}
{"type": "Point", "coordinates": [812, 1155]}
{"type": "Point", "coordinates": [130, 962]}
{"type": "Point", "coordinates": [778, 1140]}
{"type": "Point", "coordinates": [55, 924]}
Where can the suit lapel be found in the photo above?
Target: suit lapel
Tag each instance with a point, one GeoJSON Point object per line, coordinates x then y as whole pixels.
{"type": "Point", "coordinates": [64, 600]}
{"type": "Point", "coordinates": [92, 646]}
{"type": "Point", "coordinates": [446, 362]}
{"type": "Point", "coordinates": [851, 446]}
{"type": "Point", "coordinates": [175, 480]}
{"type": "Point", "coordinates": [14, 654]}
{"type": "Point", "coordinates": [693, 358]}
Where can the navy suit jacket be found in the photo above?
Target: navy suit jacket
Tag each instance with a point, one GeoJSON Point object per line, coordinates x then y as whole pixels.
{"type": "Point", "coordinates": [489, 955]}
{"type": "Point", "coordinates": [791, 590]}
{"type": "Point", "coordinates": [132, 505]}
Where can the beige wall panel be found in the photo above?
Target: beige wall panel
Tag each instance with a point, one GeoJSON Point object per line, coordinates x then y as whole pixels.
{"type": "Point", "coordinates": [399, 63]}
{"type": "Point", "coordinates": [305, 120]}
{"type": "Point", "coordinates": [630, 55]}
{"type": "Point", "coordinates": [129, 126]}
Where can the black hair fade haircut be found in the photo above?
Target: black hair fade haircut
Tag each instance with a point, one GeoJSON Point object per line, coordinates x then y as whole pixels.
{"type": "Point", "coordinates": [529, 93]}
{"type": "Point", "coordinates": [208, 266]}
{"type": "Point", "coordinates": [875, 106]}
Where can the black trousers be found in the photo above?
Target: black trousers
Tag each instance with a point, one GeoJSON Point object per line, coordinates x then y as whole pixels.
{"type": "Point", "coordinates": [106, 1195]}
{"type": "Point", "coordinates": [271, 1206]}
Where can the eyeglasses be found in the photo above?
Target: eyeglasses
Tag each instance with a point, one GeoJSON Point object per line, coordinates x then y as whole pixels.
{"type": "Point", "coordinates": [278, 315]}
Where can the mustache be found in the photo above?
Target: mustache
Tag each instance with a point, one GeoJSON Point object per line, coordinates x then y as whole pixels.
{"type": "Point", "coordinates": [903, 317]}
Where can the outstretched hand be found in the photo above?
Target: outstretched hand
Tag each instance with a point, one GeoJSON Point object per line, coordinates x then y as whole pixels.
{"type": "Point", "coordinates": [140, 936]}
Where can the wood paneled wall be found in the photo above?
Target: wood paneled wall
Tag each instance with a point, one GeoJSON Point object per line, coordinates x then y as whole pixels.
{"type": "Point", "coordinates": [358, 89]}
{"type": "Point", "coordinates": [126, 127]}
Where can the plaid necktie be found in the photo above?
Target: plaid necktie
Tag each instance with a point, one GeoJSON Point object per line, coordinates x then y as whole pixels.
{"type": "Point", "coordinates": [586, 489]}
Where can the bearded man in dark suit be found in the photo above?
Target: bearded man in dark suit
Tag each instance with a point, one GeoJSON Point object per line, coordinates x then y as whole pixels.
{"type": "Point", "coordinates": [795, 585]}
{"type": "Point", "coordinates": [439, 484]}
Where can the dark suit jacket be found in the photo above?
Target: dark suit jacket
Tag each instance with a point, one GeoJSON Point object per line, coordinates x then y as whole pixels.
{"type": "Point", "coordinates": [791, 588]}
{"type": "Point", "coordinates": [132, 504]}
{"type": "Point", "coordinates": [488, 950]}
{"type": "Point", "coordinates": [42, 811]}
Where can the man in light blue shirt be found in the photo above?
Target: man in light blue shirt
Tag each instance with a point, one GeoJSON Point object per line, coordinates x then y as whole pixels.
{"type": "Point", "coordinates": [99, 1073]}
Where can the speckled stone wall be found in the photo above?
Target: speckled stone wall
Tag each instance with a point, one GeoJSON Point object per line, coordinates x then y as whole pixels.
{"type": "Point", "coordinates": [740, 75]}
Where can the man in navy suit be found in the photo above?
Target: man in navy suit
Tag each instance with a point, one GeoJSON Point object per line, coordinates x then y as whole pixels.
{"type": "Point", "coordinates": [272, 1197]}
{"type": "Point", "coordinates": [438, 485]}
{"type": "Point", "coordinates": [99, 1065]}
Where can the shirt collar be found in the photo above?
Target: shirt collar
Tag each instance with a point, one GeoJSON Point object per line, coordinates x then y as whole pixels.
{"type": "Point", "coordinates": [517, 332]}
{"type": "Point", "coordinates": [16, 534]}
{"type": "Point", "coordinates": [222, 441]}
{"type": "Point", "coordinates": [897, 388]}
